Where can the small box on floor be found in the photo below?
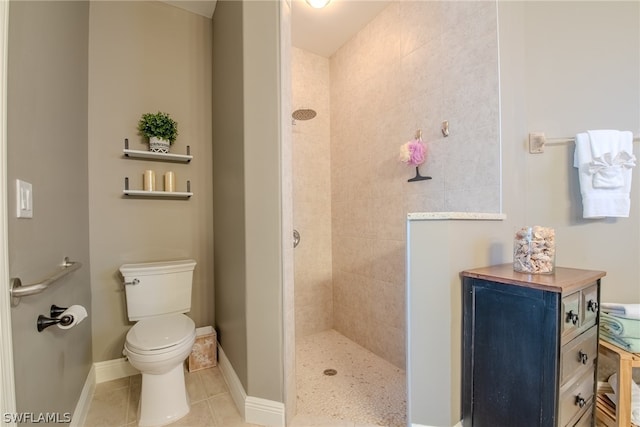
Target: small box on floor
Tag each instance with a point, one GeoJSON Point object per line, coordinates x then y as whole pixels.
{"type": "Point", "coordinates": [204, 354]}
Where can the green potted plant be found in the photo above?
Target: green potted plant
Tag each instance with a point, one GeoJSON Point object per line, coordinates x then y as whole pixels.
{"type": "Point", "coordinates": [161, 130]}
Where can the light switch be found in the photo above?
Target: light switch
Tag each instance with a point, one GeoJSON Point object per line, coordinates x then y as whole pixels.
{"type": "Point", "coordinates": [24, 199]}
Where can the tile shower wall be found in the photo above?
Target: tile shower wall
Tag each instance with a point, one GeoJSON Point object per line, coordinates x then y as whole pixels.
{"type": "Point", "coordinates": [312, 195]}
{"type": "Point", "coordinates": [415, 65]}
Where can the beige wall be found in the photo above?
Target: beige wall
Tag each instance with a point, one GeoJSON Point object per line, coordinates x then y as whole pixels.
{"type": "Point", "coordinates": [47, 146]}
{"type": "Point", "coordinates": [562, 102]}
{"type": "Point", "coordinates": [312, 194]}
{"type": "Point", "coordinates": [541, 90]}
{"type": "Point", "coordinates": [145, 57]}
{"type": "Point", "coordinates": [417, 64]}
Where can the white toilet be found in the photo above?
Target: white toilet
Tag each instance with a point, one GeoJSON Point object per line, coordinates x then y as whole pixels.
{"type": "Point", "coordinates": [158, 293]}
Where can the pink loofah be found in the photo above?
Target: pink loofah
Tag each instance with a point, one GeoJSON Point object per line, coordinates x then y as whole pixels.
{"type": "Point", "coordinates": [413, 153]}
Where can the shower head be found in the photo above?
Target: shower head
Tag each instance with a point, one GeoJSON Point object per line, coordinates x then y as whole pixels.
{"type": "Point", "coordinates": [303, 114]}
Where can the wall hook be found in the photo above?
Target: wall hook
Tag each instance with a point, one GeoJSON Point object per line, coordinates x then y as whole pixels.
{"type": "Point", "coordinates": [445, 128]}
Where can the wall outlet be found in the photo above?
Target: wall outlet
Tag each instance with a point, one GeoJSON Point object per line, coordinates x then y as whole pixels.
{"type": "Point", "coordinates": [24, 199]}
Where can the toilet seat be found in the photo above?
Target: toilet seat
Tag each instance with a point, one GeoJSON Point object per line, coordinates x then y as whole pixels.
{"type": "Point", "coordinates": [160, 334]}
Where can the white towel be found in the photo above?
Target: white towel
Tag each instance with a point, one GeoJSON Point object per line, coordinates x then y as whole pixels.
{"type": "Point", "coordinates": [604, 159]}
{"type": "Point", "coordinates": [629, 311]}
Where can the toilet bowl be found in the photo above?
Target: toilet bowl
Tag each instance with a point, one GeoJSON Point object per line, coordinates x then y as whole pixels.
{"type": "Point", "coordinates": [162, 338]}
{"type": "Point", "coordinates": [157, 347]}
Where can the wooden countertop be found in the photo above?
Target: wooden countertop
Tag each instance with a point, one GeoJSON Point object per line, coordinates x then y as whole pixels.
{"type": "Point", "coordinates": [563, 280]}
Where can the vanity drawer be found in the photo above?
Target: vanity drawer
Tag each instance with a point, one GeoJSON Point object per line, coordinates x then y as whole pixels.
{"type": "Point", "coordinates": [590, 305]}
{"type": "Point", "coordinates": [570, 313]}
{"type": "Point", "coordinates": [575, 398]}
{"type": "Point", "coordinates": [579, 354]}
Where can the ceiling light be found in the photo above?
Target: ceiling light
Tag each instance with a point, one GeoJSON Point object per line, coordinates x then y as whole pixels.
{"type": "Point", "coordinates": [318, 4]}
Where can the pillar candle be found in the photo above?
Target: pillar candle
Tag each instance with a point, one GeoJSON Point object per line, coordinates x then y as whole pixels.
{"type": "Point", "coordinates": [149, 181]}
{"type": "Point", "coordinates": [169, 182]}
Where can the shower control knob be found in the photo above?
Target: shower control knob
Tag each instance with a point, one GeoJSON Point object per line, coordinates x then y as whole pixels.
{"type": "Point", "coordinates": [296, 238]}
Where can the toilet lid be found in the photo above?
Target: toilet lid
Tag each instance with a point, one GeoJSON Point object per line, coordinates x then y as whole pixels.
{"type": "Point", "coordinates": [156, 333]}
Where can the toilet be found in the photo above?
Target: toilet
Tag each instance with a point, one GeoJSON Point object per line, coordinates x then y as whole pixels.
{"type": "Point", "coordinates": [158, 294]}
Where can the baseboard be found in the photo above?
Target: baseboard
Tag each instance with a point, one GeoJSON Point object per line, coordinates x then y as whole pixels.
{"type": "Point", "coordinates": [113, 369]}
{"type": "Point", "coordinates": [264, 412]}
{"type": "Point", "coordinates": [81, 411]}
{"type": "Point", "coordinates": [253, 410]}
{"type": "Point", "coordinates": [100, 372]}
{"type": "Point", "coordinates": [233, 382]}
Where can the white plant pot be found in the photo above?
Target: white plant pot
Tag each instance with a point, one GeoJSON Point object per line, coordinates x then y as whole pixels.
{"type": "Point", "coordinates": [158, 145]}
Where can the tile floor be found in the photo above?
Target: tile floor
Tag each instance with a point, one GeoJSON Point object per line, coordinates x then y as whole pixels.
{"type": "Point", "coordinates": [115, 403]}
{"type": "Point", "coordinates": [365, 392]}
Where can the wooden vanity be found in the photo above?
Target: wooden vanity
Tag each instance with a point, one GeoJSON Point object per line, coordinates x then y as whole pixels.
{"type": "Point", "coordinates": [530, 347]}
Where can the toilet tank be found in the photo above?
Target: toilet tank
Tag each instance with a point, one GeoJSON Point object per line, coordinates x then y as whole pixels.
{"type": "Point", "coordinates": [157, 288]}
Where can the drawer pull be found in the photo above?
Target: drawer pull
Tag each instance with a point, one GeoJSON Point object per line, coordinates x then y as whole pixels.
{"type": "Point", "coordinates": [583, 357]}
{"type": "Point", "coordinates": [580, 401]}
{"type": "Point", "coordinates": [592, 306]}
{"type": "Point", "coordinates": [572, 317]}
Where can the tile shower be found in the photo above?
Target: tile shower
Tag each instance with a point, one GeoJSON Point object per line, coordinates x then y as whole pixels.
{"type": "Point", "coordinates": [415, 65]}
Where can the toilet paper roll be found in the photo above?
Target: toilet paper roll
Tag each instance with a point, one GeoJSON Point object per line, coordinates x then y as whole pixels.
{"type": "Point", "coordinates": [77, 312]}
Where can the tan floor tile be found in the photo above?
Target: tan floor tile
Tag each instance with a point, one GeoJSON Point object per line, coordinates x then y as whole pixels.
{"type": "Point", "coordinates": [195, 387]}
{"type": "Point", "coordinates": [133, 401]}
{"type": "Point", "coordinates": [199, 416]}
{"type": "Point", "coordinates": [213, 381]}
{"type": "Point", "coordinates": [113, 385]}
{"type": "Point", "coordinates": [108, 409]}
{"type": "Point", "coordinates": [225, 412]}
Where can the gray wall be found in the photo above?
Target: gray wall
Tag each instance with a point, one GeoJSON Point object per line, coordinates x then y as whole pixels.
{"type": "Point", "coordinates": [249, 279]}
{"type": "Point", "coordinates": [145, 57]}
{"type": "Point", "coordinates": [228, 184]}
{"type": "Point", "coordinates": [47, 146]}
{"type": "Point", "coordinates": [545, 86]}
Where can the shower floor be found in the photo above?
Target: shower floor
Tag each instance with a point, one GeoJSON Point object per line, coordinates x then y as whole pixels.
{"type": "Point", "coordinates": [365, 391]}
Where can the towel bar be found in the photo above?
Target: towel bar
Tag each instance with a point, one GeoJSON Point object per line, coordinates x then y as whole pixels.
{"type": "Point", "coordinates": [538, 140]}
{"type": "Point", "coordinates": [17, 290]}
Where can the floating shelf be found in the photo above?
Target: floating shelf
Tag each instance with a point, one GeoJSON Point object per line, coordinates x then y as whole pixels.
{"type": "Point", "coordinates": [158, 194]}
{"type": "Point", "coordinates": [166, 157]}
{"type": "Point", "coordinates": [150, 155]}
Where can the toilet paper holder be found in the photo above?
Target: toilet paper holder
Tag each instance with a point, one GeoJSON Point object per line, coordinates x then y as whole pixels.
{"type": "Point", "coordinates": [44, 322]}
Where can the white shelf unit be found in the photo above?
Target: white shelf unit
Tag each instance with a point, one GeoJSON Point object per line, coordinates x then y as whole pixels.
{"type": "Point", "coordinates": [164, 157]}
{"type": "Point", "coordinates": [162, 194]}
